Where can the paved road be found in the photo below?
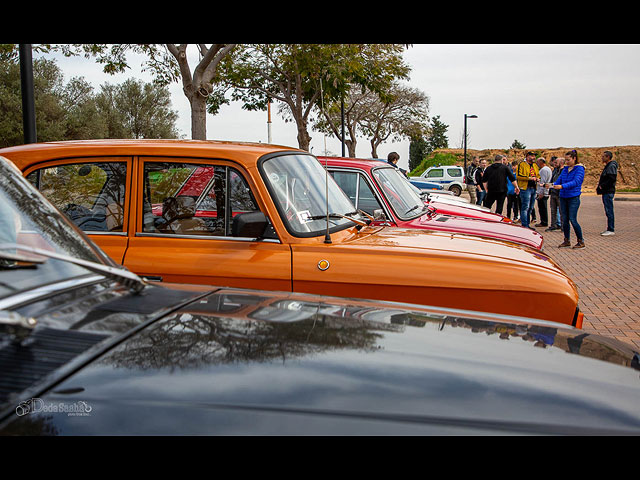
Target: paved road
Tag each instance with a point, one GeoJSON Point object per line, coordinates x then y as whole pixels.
{"type": "Point", "coordinates": [607, 271]}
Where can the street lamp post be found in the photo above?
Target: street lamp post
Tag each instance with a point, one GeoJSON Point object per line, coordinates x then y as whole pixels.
{"type": "Point", "coordinates": [465, 139]}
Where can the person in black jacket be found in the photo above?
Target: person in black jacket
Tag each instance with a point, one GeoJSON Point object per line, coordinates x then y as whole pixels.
{"type": "Point", "coordinates": [607, 188]}
{"type": "Point", "coordinates": [494, 182]}
{"type": "Point", "coordinates": [481, 191]}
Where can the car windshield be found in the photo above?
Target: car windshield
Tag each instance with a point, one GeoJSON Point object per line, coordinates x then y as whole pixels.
{"type": "Point", "coordinates": [299, 185]}
{"type": "Point", "coordinates": [27, 219]}
{"type": "Point", "coordinates": [398, 191]}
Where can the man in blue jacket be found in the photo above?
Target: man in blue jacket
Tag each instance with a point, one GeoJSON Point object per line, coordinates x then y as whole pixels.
{"type": "Point", "coordinates": [607, 188]}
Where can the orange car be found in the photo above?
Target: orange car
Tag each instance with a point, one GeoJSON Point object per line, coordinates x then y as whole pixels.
{"type": "Point", "coordinates": [269, 217]}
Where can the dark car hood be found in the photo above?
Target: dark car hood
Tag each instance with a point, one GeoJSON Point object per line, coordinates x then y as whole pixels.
{"type": "Point", "coordinates": [245, 362]}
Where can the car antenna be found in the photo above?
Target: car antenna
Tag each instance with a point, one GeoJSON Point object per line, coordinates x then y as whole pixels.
{"type": "Point", "coordinates": [327, 237]}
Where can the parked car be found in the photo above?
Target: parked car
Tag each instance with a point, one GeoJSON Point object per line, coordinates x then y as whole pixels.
{"type": "Point", "coordinates": [258, 216]}
{"type": "Point", "coordinates": [451, 177]}
{"type": "Point", "coordinates": [427, 186]}
{"type": "Point", "coordinates": [88, 348]}
{"type": "Point", "coordinates": [377, 187]}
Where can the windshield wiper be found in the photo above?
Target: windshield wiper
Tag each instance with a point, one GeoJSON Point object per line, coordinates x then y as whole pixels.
{"type": "Point", "coordinates": [340, 215]}
{"type": "Point", "coordinates": [125, 277]}
{"type": "Point", "coordinates": [413, 208]}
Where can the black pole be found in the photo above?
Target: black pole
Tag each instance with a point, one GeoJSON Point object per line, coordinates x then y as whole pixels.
{"type": "Point", "coordinates": [342, 116]}
{"type": "Point", "coordinates": [465, 143]}
{"type": "Point", "coordinates": [28, 103]}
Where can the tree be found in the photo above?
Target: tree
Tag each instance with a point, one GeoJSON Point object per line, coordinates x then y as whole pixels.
{"type": "Point", "coordinates": [355, 109]}
{"type": "Point", "coordinates": [418, 150]}
{"type": "Point", "coordinates": [402, 113]}
{"type": "Point", "coordinates": [72, 111]}
{"type": "Point", "coordinates": [48, 95]}
{"type": "Point", "coordinates": [437, 137]}
{"type": "Point", "coordinates": [168, 63]}
{"type": "Point", "coordinates": [135, 109]}
{"type": "Point", "coordinates": [304, 77]}
{"type": "Point", "coordinates": [518, 145]}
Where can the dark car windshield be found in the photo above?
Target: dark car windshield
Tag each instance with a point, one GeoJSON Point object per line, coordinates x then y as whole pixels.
{"type": "Point", "coordinates": [299, 186]}
{"type": "Point", "coordinates": [399, 192]}
{"type": "Point", "coordinates": [26, 218]}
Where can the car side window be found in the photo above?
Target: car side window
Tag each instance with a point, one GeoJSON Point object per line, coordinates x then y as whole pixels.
{"type": "Point", "coordinates": [193, 199]}
{"type": "Point", "coordinates": [367, 200]}
{"type": "Point", "coordinates": [91, 194]}
{"type": "Point", "coordinates": [348, 182]}
{"type": "Point", "coordinates": [435, 173]}
{"type": "Point", "coordinates": [454, 172]}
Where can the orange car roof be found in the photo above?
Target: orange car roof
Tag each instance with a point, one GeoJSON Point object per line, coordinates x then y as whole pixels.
{"type": "Point", "coordinates": [243, 152]}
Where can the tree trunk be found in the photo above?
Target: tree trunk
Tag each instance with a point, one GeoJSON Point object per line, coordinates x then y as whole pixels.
{"type": "Point", "coordinates": [351, 147]}
{"type": "Point", "coordinates": [304, 139]}
{"type": "Point", "coordinates": [198, 117]}
{"type": "Point", "coordinates": [374, 149]}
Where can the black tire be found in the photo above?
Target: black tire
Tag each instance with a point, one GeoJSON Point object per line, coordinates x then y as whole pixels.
{"type": "Point", "coordinates": [456, 190]}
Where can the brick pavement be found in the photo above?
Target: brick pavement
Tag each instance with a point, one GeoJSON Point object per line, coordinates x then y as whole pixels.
{"type": "Point", "coordinates": [607, 271]}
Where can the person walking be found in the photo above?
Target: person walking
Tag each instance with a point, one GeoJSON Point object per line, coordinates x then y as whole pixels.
{"type": "Point", "coordinates": [607, 188]}
{"type": "Point", "coordinates": [494, 181]}
{"type": "Point", "coordinates": [554, 199]}
{"type": "Point", "coordinates": [469, 178]}
{"type": "Point", "coordinates": [569, 183]}
{"type": "Point", "coordinates": [481, 193]}
{"type": "Point", "coordinates": [543, 192]}
{"type": "Point", "coordinates": [527, 176]}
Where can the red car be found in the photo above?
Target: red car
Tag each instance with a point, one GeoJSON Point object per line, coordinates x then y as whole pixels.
{"type": "Point", "coordinates": [380, 190]}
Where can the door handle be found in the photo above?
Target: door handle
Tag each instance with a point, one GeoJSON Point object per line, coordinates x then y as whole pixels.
{"type": "Point", "coordinates": [152, 278]}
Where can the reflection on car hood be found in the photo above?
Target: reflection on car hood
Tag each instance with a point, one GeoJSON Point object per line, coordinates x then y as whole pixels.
{"type": "Point", "coordinates": [247, 362]}
{"type": "Point", "coordinates": [475, 226]}
{"type": "Point", "coordinates": [451, 243]}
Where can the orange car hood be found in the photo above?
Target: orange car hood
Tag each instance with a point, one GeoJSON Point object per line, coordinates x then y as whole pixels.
{"type": "Point", "coordinates": [449, 244]}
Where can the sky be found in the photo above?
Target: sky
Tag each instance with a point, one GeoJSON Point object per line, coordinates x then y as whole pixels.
{"type": "Point", "coordinates": [543, 95]}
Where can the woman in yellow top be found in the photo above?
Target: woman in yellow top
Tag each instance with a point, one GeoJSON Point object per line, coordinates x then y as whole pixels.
{"type": "Point", "coordinates": [527, 176]}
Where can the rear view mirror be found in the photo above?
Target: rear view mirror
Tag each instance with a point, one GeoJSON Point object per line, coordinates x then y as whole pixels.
{"type": "Point", "coordinates": [252, 225]}
{"type": "Point", "coordinates": [378, 215]}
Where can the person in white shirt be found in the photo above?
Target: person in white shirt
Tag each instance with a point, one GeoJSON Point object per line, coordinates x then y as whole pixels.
{"type": "Point", "coordinates": [542, 192]}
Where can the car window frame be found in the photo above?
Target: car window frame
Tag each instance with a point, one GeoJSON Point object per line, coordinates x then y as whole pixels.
{"type": "Point", "coordinates": [140, 162]}
{"type": "Point", "coordinates": [75, 160]}
{"type": "Point", "coordinates": [272, 195]}
{"type": "Point", "coordinates": [396, 215]}
{"type": "Point", "coordinates": [433, 170]}
{"type": "Point", "coordinates": [368, 178]}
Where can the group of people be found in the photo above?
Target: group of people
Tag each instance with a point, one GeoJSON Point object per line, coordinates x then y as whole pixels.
{"type": "Point", "coordinates": [555, 188]}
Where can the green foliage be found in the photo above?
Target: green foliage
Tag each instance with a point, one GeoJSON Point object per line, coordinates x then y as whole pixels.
{"type": "Point", "coordinates": [418, 150]}
{"type": "Point", "coordinates": [72, 111]}
{"type": "Point", "coordinates": [437, 158]}
{"type": "Point", "coordinates": [437, 134]}
{"type": "Point", "coordinates": [518, 145]}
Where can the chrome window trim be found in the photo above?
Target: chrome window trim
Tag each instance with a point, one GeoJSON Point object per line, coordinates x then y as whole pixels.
{"type": "Point", "coordinates": [18, 299]}
{"type": "Point", "coordinates": [207, 237]}
{"type": "Point", "coordinates": [100, 232]}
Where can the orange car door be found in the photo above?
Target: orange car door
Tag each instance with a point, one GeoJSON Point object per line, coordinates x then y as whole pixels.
{"type": "Point", "coordinates": [94, 193]}
{"type": "Point", "coordinates": [183, 215]}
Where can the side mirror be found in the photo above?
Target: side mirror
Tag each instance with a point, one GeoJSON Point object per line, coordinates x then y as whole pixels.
{"type": "Point", "coordinates": [252, 225]}
{"type": "Point", "coordinates": [379, 216]}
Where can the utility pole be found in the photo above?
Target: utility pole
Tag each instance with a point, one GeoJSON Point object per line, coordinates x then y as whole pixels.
{"type": "Point", "coordinates": [28, 103]}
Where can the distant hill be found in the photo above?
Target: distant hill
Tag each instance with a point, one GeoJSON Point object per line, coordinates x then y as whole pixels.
{"type": "Point", "coordinates": [628, 158]}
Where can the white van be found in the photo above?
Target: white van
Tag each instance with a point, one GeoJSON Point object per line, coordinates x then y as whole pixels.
{"type": "Point", "coordinates": [450, 176]}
